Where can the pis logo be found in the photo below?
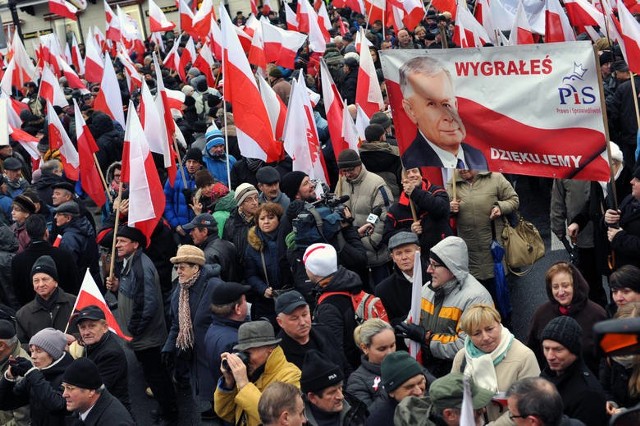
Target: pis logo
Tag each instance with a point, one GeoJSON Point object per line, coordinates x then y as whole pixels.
{"type": "Point", "coordinates": [573, 91]}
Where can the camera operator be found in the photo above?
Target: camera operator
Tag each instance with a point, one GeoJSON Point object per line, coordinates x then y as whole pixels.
{"type": "Point", "coordinates": [256, 362]}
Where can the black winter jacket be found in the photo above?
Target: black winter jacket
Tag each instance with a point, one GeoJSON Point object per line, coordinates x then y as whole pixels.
{"type": "Point", "coordinates": [111, 360]}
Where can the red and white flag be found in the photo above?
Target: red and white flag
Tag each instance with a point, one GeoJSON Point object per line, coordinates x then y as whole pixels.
{"type": "Point", "coordinates": [72, 78]}
{"type": "Point", "coordinates": [186, 16]}
{"type": "Point", "coordinates": [521, 32]}
{"type": "Point", "coordinates": [350, 135]}
{"type": "Point", "coordinates": [557, 26]}
{"type": "Point", "coordinates": [256, 52]}
{"type": "Point", "coordinates": [253, 126]}
{"type": "Point", "coordinates": [281, 46]}
{"type": "Point", "coordinates": [291, 17]}
{"type": "Point", "coordinates": [76, 56]}
{"type": "Point", "coordinates": [146, 195]}
{"type": "Point", "coordinates": [324, 21]}
{"type": "Point", "coordinates": [20, 69]}
{"type": "Point", "coordinates": [308, 19]}
{"type": "Point", "coordinates": [582, 13]}
{"type": "Point", "coordinates": [362, 121]}
{"type": "Point", "coordinates": [58, 139]}
{"type": "Point", "coordinates": [109, 99]}
{"type": "Point", "coordinates": [204, 62]}
{"type": "Point", "coordinates": [375, 10]}
{"type": "Point", "coordinates": [368, 92]}
{"type": "Point", "coordinates": [163, 106]}
{"type": "Point", "coordinates": [87, 147]}
{"type": "Point", "coordinates": [188, 56]}
{"type": "Point", "coordinates": [201, 23]}
{"type": "Point", "coordinates": [172, 59]}
{"type": "Point", "coordinates": [276, 109]}
{"type": "Point", "coordinates": [468, 31]}
{"type": "Point", "coordinates": [630, 29]}
{"type": "Point", "coordinates": [152, 122]}
{"type": "Point", "coordinates": [63, 8]}
{"type": "Point", "coordinates": [333, 107]}
{"type": "Point", "coordinates": [416, 299]}
{"type": "Point", "coordinates": [93, 61]}
{"type": "Point", "coordinates": [266, 7]}
{"type": "Point", "coordinates": [216, 40]}
{"type": "Point", "coordinates": [134, 79]}
{"type": "Point", "coordinates": [158, 22]}
{"type": "Point", "coordinates": [89, 295]}
{"type": "Point", "coordinates": [114, 31]}
{"type": "Point", "coordinates": [301, 139]}
{"type": "Point", "coordinates": [50, 89]}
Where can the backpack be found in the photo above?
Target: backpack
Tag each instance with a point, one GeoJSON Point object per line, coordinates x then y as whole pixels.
{"type": "Point", "coordinates": [365, 305]}
{"type": "Point", "coordinates": [315, 225]}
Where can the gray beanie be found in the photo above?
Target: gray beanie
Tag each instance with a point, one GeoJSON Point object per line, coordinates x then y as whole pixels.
{"type": "Point", "coordinates": [52, 341]}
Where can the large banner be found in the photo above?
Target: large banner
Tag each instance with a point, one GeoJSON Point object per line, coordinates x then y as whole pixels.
{"type": "Point", "coordinates": [529, 109]}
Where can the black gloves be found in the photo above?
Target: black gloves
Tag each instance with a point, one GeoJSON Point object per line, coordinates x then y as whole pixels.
{"type": "Point", "coordinates": [411, 331]}
{"type": "Point", "coordinates": [168, 360]}
{"type": "Point", "coordinates": [20, 367]}
{"type": "Point", "coordinates": [295, 208]}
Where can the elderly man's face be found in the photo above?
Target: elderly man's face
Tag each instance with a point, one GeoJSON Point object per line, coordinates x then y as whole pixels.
{"type": "Point", "coordinates": [403, 37]}
{"type": "Point", "coordinates": [434, 109]}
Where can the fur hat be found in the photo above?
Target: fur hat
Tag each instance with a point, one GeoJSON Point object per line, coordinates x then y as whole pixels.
{"type": "Point", "coordinates": [189, 254]}
{"type": "Point", "coordinates": [51, 341]}
{"type": "Point", "coordinates": [25, 203]}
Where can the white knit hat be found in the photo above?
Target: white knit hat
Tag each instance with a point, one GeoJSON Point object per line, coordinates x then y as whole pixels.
{"type": "Point", "coordinates": [321, 259]}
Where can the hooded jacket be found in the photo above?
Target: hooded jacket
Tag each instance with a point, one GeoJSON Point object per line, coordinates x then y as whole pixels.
{"type": "Point", "coordinates": [442, 307]}
{"type": "Point", "coordinates": [79, 238]}
{"type": "Point", "coordinates": [8, 248]}
{"type": "Point", "coordinates": [583, 310]}
{"type": "Point", "coordinates": [217, 166]}
{"type": "Point", "coordinates": [177, 210]}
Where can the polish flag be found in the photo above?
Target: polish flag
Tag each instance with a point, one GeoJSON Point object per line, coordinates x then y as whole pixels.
{"type": "Point", "coordinates": [154, 128]}
{"type": "Point", "coordinates": [255, 137]}
{"type": "Point", "coordinates": [630, 29]}
{"type": "Point", "coordinates": [175, 100]}
{"type": "Point", "coordinates": [324, 21]}
{"type": "Point", "coordinates": [114, 31]}
{"type": "Point", "coordinates": [146, 195]}
{"type": "Point", "coordinates": [275, 107]}
{"type": "Point", "coordinates": [158, 22]}
{"type": "Point", "coordinates": [244, 38]}
{"type": "Point", "coordinates": [76, 56]}
{"type": "Point", "coordinates": [416, 297]}
{"type": "Point", "coordinates": [368, 92]}
{"type": "Point", "coordinates": [204, 62]}
{"type": "Point", "coordinates": [109, 99]}
{"type": "Point", "coordinates": [362, 121]}
{"type": "Point", "coordinates": [281, 46]}
{"type": "Point", "coordinates": [93, 61]}
{"type": "Point", "coordinates": [301, 139]}
{"type": "Point", "coordinates": [50, 89]}
{"type": "Point", "coordinates": [375, 10]}
{"type": "Point", "coordinates": [333, 107]}
{"type": "Point", "coordinates": [360, 38]}
{"type": "Point", "coordinates": [521, 31]}
{"type": "Point", "coordinates": [23, 69]}
{"type": "Point", "coordinates": [266, 7]}
{"type": "Point", "coordinates": [502, 19]}
{"type": "Point", "coordinates": [308, 17]}
{"type": "Point", "coordinates": [557, 26]}
{"type": "Point", "coordinates": [291, 17]}
{"type": "Point", "coordinates": [201, 23]}
{"type": "Point", "coordinates": [72, 78]}
{"type": "Point", "coordinates": [163, 102]}
{"type": "Point", "coordinates": [342, 26]}
{"type": "Point", "coordinates": [251, 25]}
{"type": "Point", "coordinates": [483, 15]}
{"type": "Point", "coordinates": [468, 32]}
{"type": "Point", "coordinates": [28, 142]}
{"type": "Point", "coordinates": [186, 17]}
{"type": "Point", "coordinates": [581, 13]}
{"type": "Point", "coordinates": [134, 79]}
{"type": "Point", "coordinates": [172, 59]}
{"type": "Point", "coordinates": [188, 56]}
{"type": "Point", "coordinates": [254, 7]}
{"type": "Point", "coordinates": [414, 12]}
{"type": "Point", "coordinates": [89, 174]}
{"type": "Point", "coordinates": [63, 8]}
{"type": "Point", "coordinates": [445, 6]}
{"type": "Point", "coordinates": [58, 139]}
{"type": "Point", "coordinates": [350, 136]}
{"type": "Point", "coordinates": [216, 40]}
{"type": "Point", "coordinates": [256, 52]}
{"type": "Point", "coordinates": [89, 295]}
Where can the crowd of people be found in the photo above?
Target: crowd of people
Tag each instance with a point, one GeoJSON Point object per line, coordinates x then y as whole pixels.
{"type": "Point", "coordinates": [269, 298]}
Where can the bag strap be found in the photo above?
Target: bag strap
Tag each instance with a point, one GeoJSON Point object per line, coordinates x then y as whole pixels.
{"type": "Point", "coordinates": [319, 222]}
{"type": "Point", "coordinates": [323, 296]}
{"type": "Point", "coordinates": [264, 268]}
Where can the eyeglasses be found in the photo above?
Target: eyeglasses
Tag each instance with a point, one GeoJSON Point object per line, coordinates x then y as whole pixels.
{"type": "Point", "coordinates": [434, 265]}
{"type": "Point", "coordinates": [511, 416]}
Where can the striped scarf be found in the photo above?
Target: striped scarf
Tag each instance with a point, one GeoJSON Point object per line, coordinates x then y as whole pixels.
{"type": "Point", "coordinates": [184, 340]}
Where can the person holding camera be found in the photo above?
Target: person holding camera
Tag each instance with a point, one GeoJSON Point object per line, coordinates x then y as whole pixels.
{"type": "Point", "coordinates": [257, 361]}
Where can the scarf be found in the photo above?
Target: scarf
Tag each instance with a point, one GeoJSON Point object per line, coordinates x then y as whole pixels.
{"type": "Point", "coordinates": [184, 340]}
{"type": "Point", "coordinates": [481, 366]}
{"type": "Point", "coordinates": [404, 200]}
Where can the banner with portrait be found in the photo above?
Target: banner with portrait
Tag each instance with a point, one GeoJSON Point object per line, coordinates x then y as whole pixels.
{"type": "Point", "coordinates": [530, 109]}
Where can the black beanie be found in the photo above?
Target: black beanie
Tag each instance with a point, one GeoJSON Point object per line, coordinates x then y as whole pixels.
{"type": "Point", "coordinates": [193, 154]}
{"type": "Point", "coordinates": [348, 158]}
{"type": "Point", "coordinates": [566, 331]}
{"type": "Point", "coordinates": [82, 373]}
{"type": "Point", "coordinates": [290, 184]}
{"type": "Point", "coordinates": [46, 265]}
{"type": "Point", "coordinates": [318, 373]}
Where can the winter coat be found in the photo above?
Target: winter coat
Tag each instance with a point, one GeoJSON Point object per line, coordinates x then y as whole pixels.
{"type": "Point", "coordinates": [68, 275]}
{"type": "Point", "coordinates": [518, 363]}
{"type": "Point", "coordinates": [626, 243]}
{"type": "Point", "coordinates": [223, 253]}
{"type": "Point", "coordinates": [177, 210]}
{"type": "Point", "coordinates": [395, 293]}
{"type": "Point", "coordinates": [8, 248]}
{"type": "Point", "coordinates": [111, 361]}
{"type": "Point", "coordinates": [348, 86]}
{"type": "Point", "coordinates": [140, 303]}
{"type": "Point", "coordinates": [282, 89]}
{"type": "Point", "coordinates": [622, 116]}
{"type": "Point", "coordinates": [20, 233]}
{"type": "Point", "coordinates": [221, 336]}
{"type": "Point", "coordinates": [217, 166]}
{"type": "Point", "coordinates": [34, 317]}
{"type": "Point", "coordinates": [199, 301]}
{"type": "Point", "coordinates": [42, 390]}
{"type": "Point", "coordinates": [353, 413]}
{"type": "Point", "coordinates": [474, 227]}
{"type": "Point", "coordinates": [369, 193]}
{"type": "Point", "coordinates": [383, 414]}
{"type": "Point", "coordinates": [583, 310]}
{"type": "Point", "coordinates": [79, 238]}
{"type": "Point", "coordinates": [432, 208]}
{"type": "Point", "coordinates": [336, 312]}
{"type": "Point", "coordinates": [281, 199]}
{"type": "Point", "coordinates": [244, 171]}
{"type": "Point", "coordinates": [18, 416]}
{"type": "Point", "coordinates": [6, 203]}
{"type": "Point", "coordinates": [223, 209]}
{"type": "Point", "coordinates": [442, 307]}
{"type": "Point", "coordinates": [44, 186]}
{"type": "Point", "coordinates": [236, 230]}
{"type": "Point", "coordinates": [614, 378]}
{"type": "Point", "coordinates": [109, 138]}
{"type": "Point", "coordinates": [366, 384]}
{"type": "Point", "coordinates": [568, 198]}
{"type": "Point", "coordinates": [232, 404]}
{"type": "Point", "coordinates": [582, 394]}
{"type": "Point", "coordinates": [107, 411]}
{"type": "Point", "coordinates": [384, 160]}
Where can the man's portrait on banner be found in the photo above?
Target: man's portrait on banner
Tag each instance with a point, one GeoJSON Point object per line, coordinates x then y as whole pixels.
{"type": "Point", "coordinates": [430, 103]}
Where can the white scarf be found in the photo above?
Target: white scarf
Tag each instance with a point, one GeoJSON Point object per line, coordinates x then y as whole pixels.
{"type": "Point", "coordinates": [481, 368]}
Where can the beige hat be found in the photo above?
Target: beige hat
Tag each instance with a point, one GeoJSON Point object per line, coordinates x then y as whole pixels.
{"type": "Point", "coordinates": [189, 254]}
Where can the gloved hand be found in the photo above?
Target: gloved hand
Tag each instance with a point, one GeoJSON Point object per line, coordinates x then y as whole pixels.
{"type": "Point", "coordinates": [168, 360]}
{"type": "Point", "coordinates": [411, 331]}
{"type": "Point", "coordinates": [21, 366]}
{"type": "Point", "coordinates": [295, 208]}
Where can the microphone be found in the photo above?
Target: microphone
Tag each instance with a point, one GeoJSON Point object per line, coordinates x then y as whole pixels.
{"type": "Point", "coordinates": [374, 216]}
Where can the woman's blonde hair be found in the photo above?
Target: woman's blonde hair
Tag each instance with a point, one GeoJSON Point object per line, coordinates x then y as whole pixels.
{"type": "Point", "coordinates": [365, 332]}
{"type": "Point", "coordinates": [632, 310]}
{"type": "Point", "coordinates": [477, 316]}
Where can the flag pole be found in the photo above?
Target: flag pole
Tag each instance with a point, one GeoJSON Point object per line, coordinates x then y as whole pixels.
{"type": "Point", "coordinates": [414, 215]}
{"type": "Point", "coordinates": [104, 181]}
{"type": "Point", "coordinates": [226, 142]}
{"type": "Point", "coordinates": [115, 231]}
{"type": "Point", "coordinates": [184, 178]}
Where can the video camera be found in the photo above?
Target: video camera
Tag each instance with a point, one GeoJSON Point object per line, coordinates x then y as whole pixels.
{"type": "Point", "coordinates": [333, 202]}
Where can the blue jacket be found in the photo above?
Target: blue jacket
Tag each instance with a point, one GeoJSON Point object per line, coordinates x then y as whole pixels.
{"type": "Point", "coordinates": [5, 209]}
{"type": "Point", "coordinates": [221, 336]}
{"type": "Point", "coordinates": [199, 301]}
{"type": "Point", "coordinates": [177, 210]}
{"type": "Point", "coordinates": [217, 166]}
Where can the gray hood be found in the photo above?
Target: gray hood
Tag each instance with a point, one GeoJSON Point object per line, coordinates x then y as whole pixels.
{"type": "Point", "coordinates": [454, 255]}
